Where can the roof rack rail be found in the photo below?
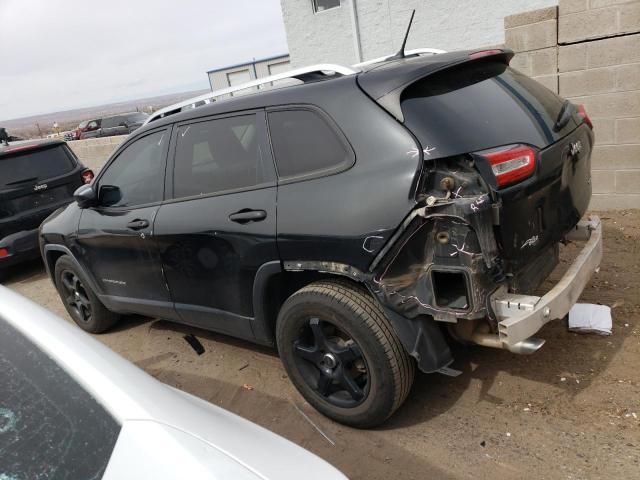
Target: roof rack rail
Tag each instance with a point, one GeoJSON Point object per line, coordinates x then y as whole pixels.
{"type": "Point", "coordinates": [312, 72]}
{"type": "Point", "coordinates": [408, 53]}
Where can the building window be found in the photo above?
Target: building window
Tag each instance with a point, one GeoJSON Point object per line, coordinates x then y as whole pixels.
{"type": "Point", "coordinates": [322, 5]}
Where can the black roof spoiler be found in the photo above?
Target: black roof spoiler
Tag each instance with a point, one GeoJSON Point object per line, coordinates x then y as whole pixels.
{"type": "Point", "coordinates": [386, 82]}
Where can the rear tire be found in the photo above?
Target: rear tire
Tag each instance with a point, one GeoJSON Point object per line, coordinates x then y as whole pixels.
{"type": "Point", "coordinates": [342, 354]}
{"type": "Point", "coordinates": [81, 302]}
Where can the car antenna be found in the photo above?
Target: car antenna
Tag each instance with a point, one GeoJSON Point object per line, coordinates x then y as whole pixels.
{"type": "Point", "coordinates": [400, 53]}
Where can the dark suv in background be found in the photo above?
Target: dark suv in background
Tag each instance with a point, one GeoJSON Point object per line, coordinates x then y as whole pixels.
{"type": "Point", "coordinates": [353, 221]}
{"type": "Point", "coordinates": [122, 124]}
{"type": "Point", "coordinates": [36, 178]}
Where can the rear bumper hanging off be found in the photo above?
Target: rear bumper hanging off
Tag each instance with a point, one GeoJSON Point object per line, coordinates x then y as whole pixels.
{"type": "Point", "coordinates": [521, 316]}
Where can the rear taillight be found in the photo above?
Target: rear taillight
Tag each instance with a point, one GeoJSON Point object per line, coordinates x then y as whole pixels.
{"type": "Point", "coordinates": [4, 252]}
{"type": "Point", "coordinates": [511, 164]}
{"type": "Point", "coordinates": [87, 176]}
{"type": "Point", "coordinates": [582, 113]}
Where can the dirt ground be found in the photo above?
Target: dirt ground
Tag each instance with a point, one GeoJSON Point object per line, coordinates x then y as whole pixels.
{"type": "Point", "coordinates": [572, 410]}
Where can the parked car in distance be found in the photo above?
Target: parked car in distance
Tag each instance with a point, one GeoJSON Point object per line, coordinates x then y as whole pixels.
{"type": "Point", "coordinates": [122, 124]}
{"type": "Point", "coordinates": [102, 417]}
{"type": "Point", "coordinates": [83, 127]}
{"type": "Point", "coordinates": [37, 177]}
{"type": "Point", "coordinates": [351, 221]}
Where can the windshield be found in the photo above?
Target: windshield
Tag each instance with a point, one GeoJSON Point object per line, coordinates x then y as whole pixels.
{"type": "Point", "coordinates": [481, 105]}
{"type": "Point", "coordinates": [34, 165]}
{"type": "Point", "coordinates": [49, 426]}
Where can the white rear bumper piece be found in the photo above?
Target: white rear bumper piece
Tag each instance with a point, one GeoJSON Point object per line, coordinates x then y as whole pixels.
{"type": "Point", "coordinates": [521, 316]}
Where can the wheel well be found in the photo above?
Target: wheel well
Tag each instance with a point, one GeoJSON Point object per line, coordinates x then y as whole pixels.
{"type": "Point", "coordinates": [284, 284]}
{"type": "Point", "coordinates": [52, 258]}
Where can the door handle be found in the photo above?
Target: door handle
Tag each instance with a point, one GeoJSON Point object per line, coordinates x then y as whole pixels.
{"type": "Point", "coordinates": [246, 216]}
{"type": "Point", "coordinates": [137, 224]}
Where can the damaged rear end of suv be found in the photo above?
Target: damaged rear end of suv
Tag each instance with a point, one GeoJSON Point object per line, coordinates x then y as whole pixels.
{"type": "Point", "coordinates": [505, 178]}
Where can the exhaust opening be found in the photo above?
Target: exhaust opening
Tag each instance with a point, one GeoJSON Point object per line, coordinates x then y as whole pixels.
{"type": "Point", "coordinates": [450, 289]}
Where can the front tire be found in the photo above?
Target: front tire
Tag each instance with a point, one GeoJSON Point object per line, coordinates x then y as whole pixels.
{"type": "Point", "coordinates": [342, 354]}
{"type": "Point", "coordinates": [81, 302]}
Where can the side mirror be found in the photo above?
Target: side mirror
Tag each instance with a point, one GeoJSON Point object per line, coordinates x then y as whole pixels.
{"type": "Point", "coordinates": [109, 195]}
{"type": "Point", "coordinates": [85, 196]}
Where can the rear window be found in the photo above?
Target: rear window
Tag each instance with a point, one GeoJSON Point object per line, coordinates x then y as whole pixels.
{"type": "Point", "coordinates": [50, 427]}
{"type": "Point", "coordinates": [35, 165]}
{"type": "Point", "coordinates": [480, 105]}
{"type": "Point", "coordinates": [304, 144]}
{"type": "Point", "coordinates": [136, 117]}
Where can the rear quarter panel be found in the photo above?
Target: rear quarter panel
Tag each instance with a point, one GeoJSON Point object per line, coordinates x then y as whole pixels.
{"type": "Point", "coordinates": [329, 218]}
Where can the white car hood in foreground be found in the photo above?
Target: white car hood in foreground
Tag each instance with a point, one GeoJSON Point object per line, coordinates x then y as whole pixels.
{"type": "Point", "coordinates": [166, 434]}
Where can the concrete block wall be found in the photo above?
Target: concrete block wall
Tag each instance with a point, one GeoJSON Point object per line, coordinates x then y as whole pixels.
{"type": "Point", "coordinates": [533, 36]}
{"type": "Point", "coordinates": [597, 64]}
{"type": "Point", "coordinates": [94, 152]}
{"type": "Point", "coordinates": [599, 67]}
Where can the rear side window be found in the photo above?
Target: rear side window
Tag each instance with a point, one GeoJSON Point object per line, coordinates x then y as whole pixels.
{"type": "Point", "coordinates": [136, 176]}
{"type": "Point", "coordinates": [111, 122]}
{"type": "Point", "coordinates": [304, 144]}
{"type": "Point", "coordinates": [35, 166]}
{"type": "Point", "coordinates": [219, 155]}
{"type": "Point", "coordinates": [50, 427]}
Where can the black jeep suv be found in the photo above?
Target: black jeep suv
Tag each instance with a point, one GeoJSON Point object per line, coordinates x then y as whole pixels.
{"type": "Point", "coordinates": [358, 221]}
{"type": "Point", "coordinates": [37, 177]}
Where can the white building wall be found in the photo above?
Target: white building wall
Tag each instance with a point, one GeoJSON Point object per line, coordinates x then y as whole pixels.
{"type": "Point", "coordinates": [323, 37]}
{"type": "Point", "coordinates": [448, 24]}
{"type": "Point", "coordinates": [220, 78]}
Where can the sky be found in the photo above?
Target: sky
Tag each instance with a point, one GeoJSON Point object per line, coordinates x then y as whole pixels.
{"type": "Point", "coordinates": [63, 54]}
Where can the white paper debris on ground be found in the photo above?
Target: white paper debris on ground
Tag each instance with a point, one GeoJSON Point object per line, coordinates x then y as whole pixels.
{"type": "Point", "coordinates": [590, 318]}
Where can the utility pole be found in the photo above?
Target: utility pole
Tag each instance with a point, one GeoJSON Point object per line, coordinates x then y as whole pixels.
{"type": "Point", "coordinates": [355, 28]}
{"type": "Point", "coordinates": [39, 131]}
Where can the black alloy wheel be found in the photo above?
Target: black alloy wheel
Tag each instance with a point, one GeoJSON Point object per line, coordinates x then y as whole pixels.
{"type": "Point", "coordinates": [76, 296]}
{"type": "Point", "coordinates": [342, 354]}
{"type": "Point", "coordinates": [82, 304]}
{"type": "Point", "coordinates": [332, 363]}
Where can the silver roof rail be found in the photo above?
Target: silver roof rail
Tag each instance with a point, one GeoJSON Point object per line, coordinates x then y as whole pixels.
{"type": "Point", "coordinates": [310, 72]}
{"type": "Point", "coordinates": [408, 53]}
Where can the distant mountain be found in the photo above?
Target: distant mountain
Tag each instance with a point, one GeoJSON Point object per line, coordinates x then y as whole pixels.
{"type": "Point", "coordinates": [27, 127]}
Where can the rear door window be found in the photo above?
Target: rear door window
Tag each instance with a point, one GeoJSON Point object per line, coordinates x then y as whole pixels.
{"type": "Point", "coordinates": [304, 144]}
{"type": "Point", "coordinates": [50, 427]}
{"type": "Point", "coordinates": [220, 155]}
{"type": "Point", "coordinates": [35, 165]}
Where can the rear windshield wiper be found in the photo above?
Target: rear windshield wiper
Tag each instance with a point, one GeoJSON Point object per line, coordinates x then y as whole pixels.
{"type": "Point", "coordinates": [31, 179]}
{"type": "Point", "coordinates": [563, 116]}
